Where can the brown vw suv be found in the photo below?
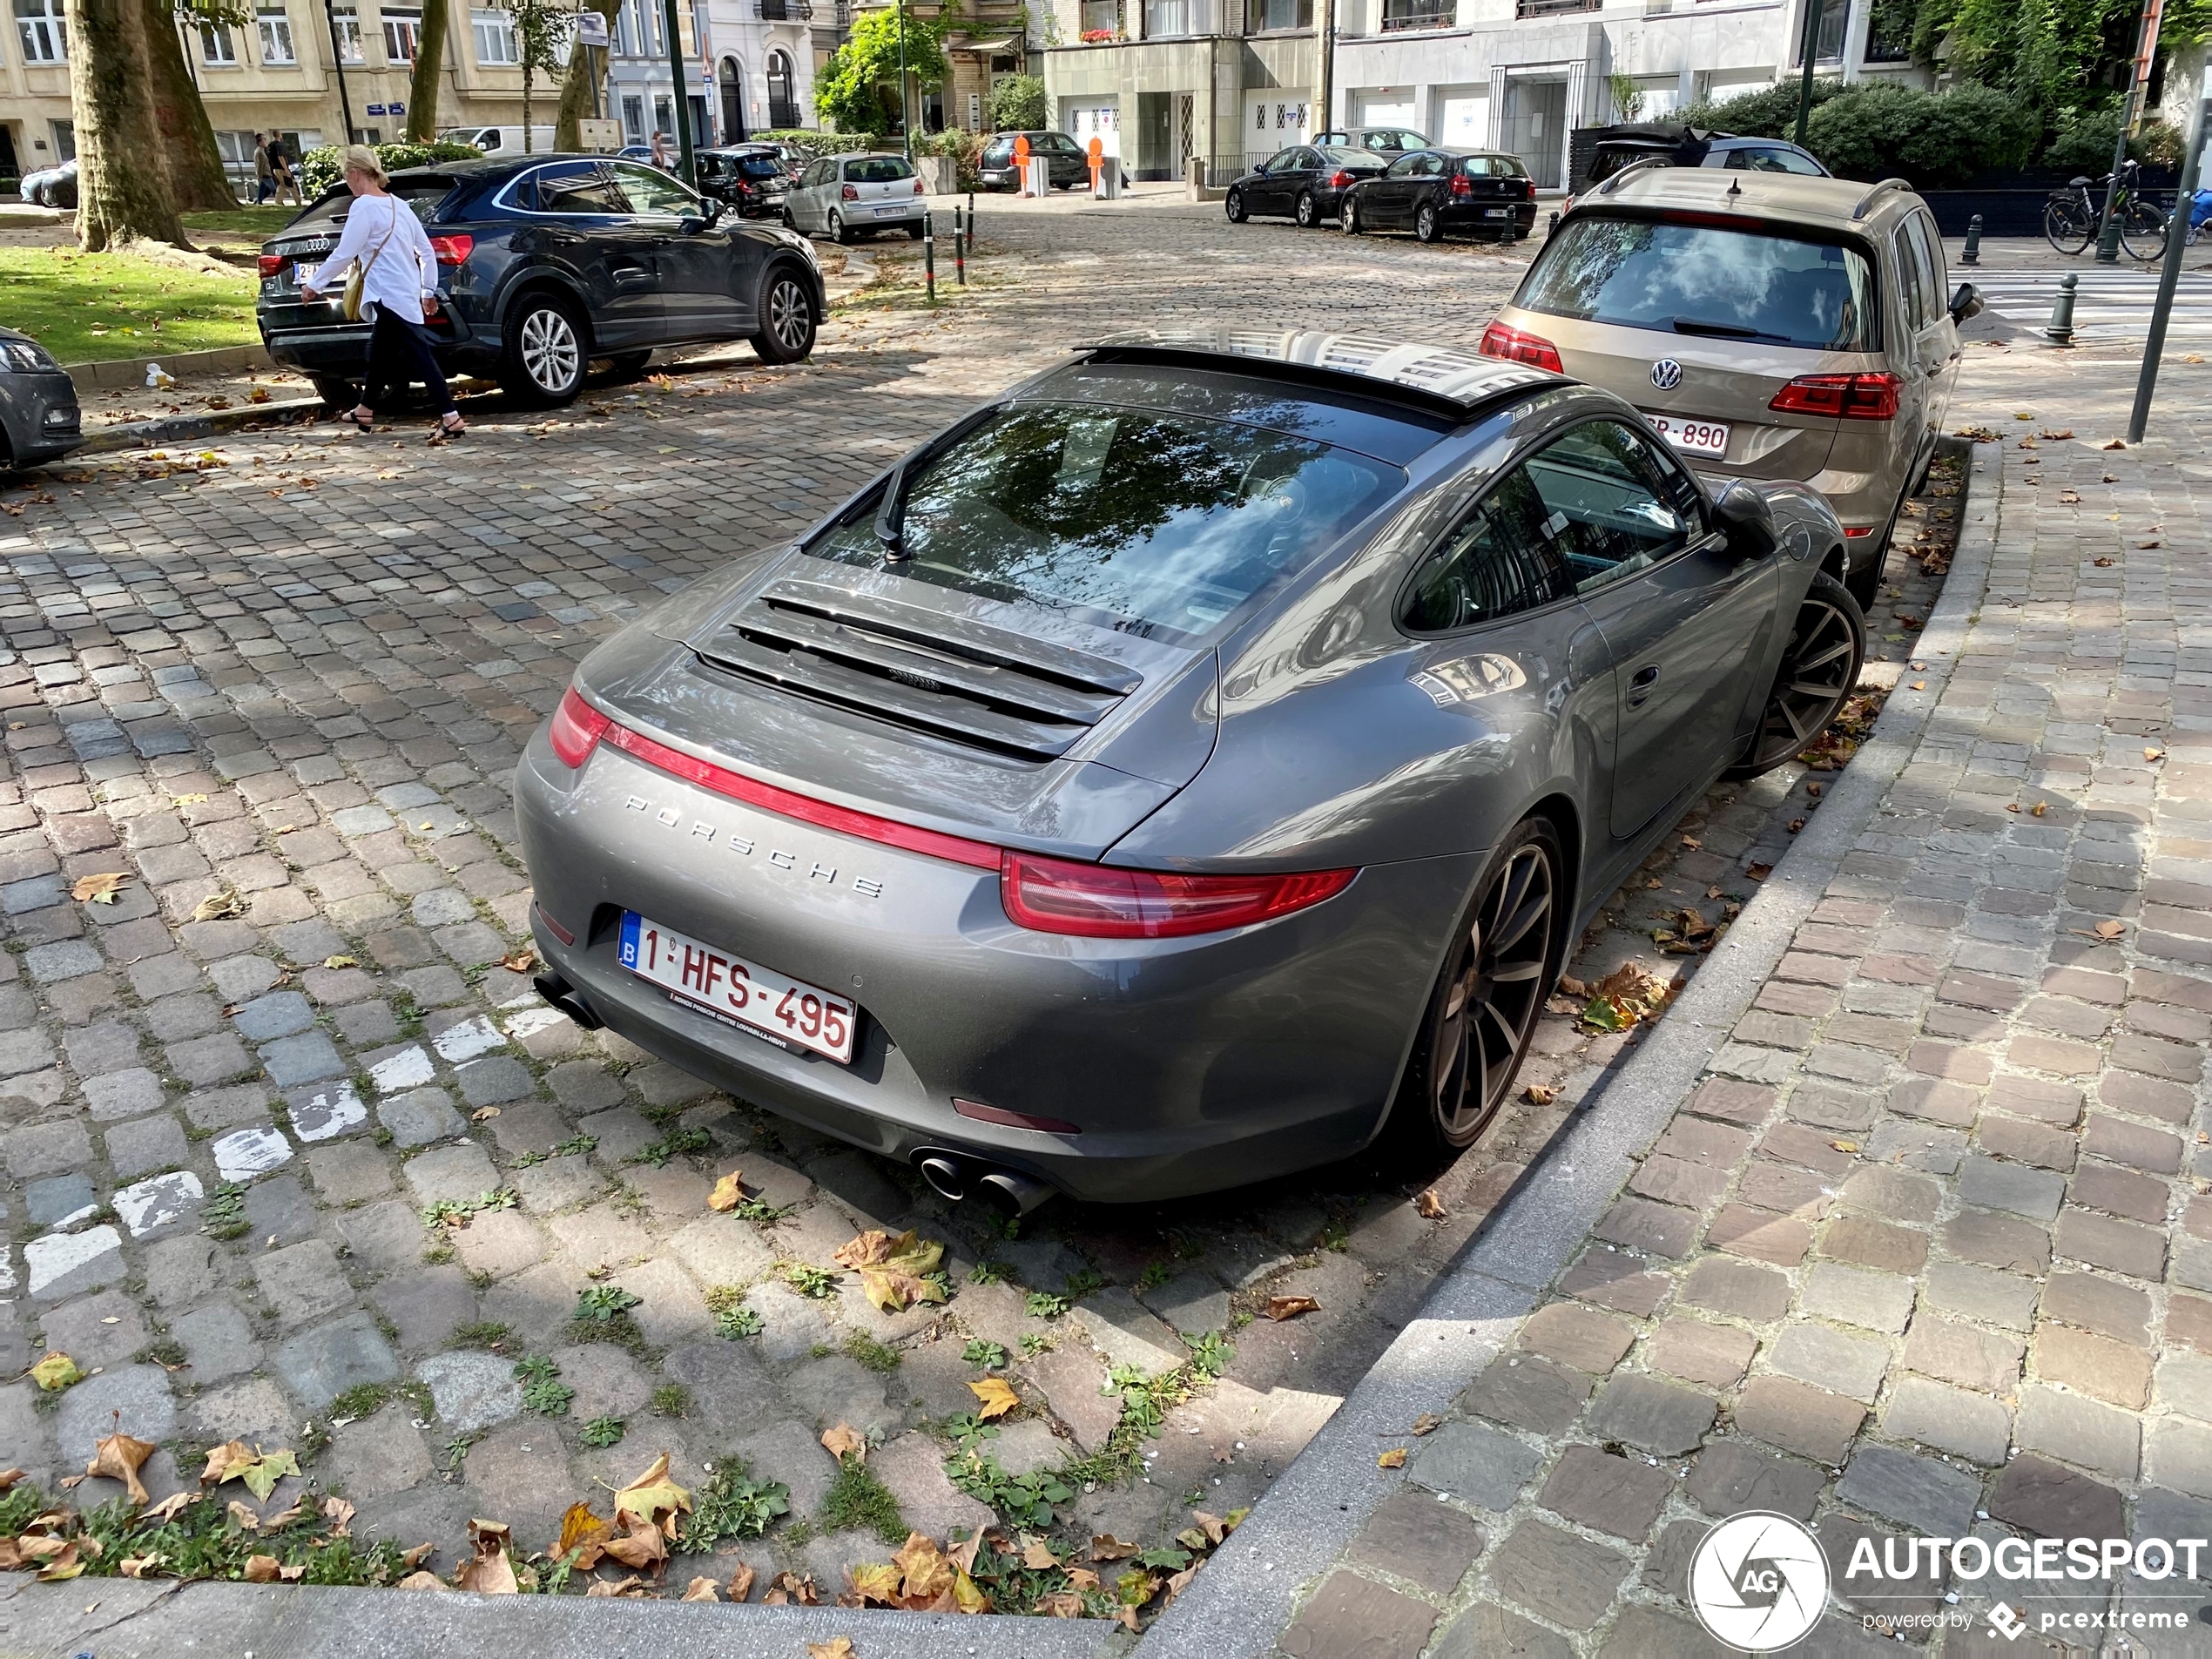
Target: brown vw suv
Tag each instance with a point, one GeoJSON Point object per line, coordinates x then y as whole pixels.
{"type": "Point", "coordinates": [1768, 326]}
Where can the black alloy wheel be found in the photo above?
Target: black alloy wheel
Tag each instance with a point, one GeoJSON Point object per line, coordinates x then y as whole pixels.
{"type": "Point", "coordinates": [1233, 205]}
{"type": "Point", "coordinates": [1348, 216]}
{"type": "Point", "coordinates": [1483, 1010]}
{"type": "Point", "coordinates": [1426, 227]}
{"type": "Point", "coordinates": [1309, 211]}
{"type": "Point", "coordinates": [1820, 664]}
{"type": "Point", "coordinates": [787, 316]}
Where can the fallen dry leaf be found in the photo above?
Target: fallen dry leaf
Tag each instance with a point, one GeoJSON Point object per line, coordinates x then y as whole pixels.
{"type": "Point", "coordinates": [1289, 1307]}
{"type": "Point", "coordinates": [421, 1581]}
{"type": "Point", "coordinates": [261, 1569]}
{"type": "Point", "coordinates": [483, 1114]}
{"type": "Point", "coordinates": [118, 1456]}
{"type": "Point", "coordinates": [726, 1195]}
{"type": "Point", "coordinates": [653, 1496]}
{"type": "Point", "coordinates": [1061, 1604]}
{"type": "Point", "coordinates": [1427, 1423]}
{"type": "Point", "coordinates": [1104, 1547]}
{"type": "Point", "coordinates": [630, 1589]}
{"type": "Point", "coordinates": [2117, 443]}
{"type": "Point", "coordinates": [1844, 1146]}
{"type": "Point", "coordinates": [640, 1546]}
{"type": "Point", "coordinates": [100, 889]}
{"type": "Point", "coordinates": [1036, 1555]}
{"type": "Point", "coordinates": [489, 1571]}
{"type": "Point", "coordinates": [583, 1533]}
{"type": "Point", "coordinates": [2040, 808]}
{"type": "Point", "coordinates": [521, 962]}
{"type": "Point", "coordinates": [1214, 1527]}
{"type": "Point", "coordinates": [2055, 436]}
{"type": "Point", "coordinates": [2153, 754]}
{"type": "Point", "coordinates": [1394, 1458]}
{"type": "Point", "coordinates": [135, 1565]}
{"type": "Point", "coordinates": [168, 1509]}
{"type": "Point", "coordinates": [740, 1584]}
{"type": "Point", "coordinates": [340, 961]}
{"type": "Point", "coordinates": [700, 1589]}
{"type": "Point", "coordinates": [55, 1373]}
{"type": "Point", "coordinates": [998, 1398]}
{"type": "Point", "coordinates": [8, 1477]}
{"type": "Point", "coordinates": [338, 1514]}
{"type": "Point", "coordinates": [845, 1441]}
{"type": "Point", "coordinates": [891, 1270]}
{"type": "Point", "coordinates": [1429, 1206]}
{"type": "Point", "coordinates": [835, 1647]}
{"type": "Point", "coordinates": [791, 1589]}
{"type": "Point", "coordinates": [219, 906]}
{"type": "Point", "coordinates": [1919, 685]}
{"type": "Point", "coordinates": [1543, 1094]}
{"type": "Point", "coordinates": [2111, 929]}
{"type": "Point", "coordinates": [1760, 871]}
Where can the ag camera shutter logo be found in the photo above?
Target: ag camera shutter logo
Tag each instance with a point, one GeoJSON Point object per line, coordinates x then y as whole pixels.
{"type": "Point", "coordinates": [1758, 1582]}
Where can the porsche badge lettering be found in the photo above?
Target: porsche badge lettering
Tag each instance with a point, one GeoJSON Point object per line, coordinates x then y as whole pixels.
{"type": "Point", "coordinates": [746, 846]}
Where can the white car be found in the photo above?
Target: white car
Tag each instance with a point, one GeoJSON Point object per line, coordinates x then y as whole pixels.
{"type": "Point", "coordinates": [503, 141]}
{"type": "Point", "coordinates": [842, 196]}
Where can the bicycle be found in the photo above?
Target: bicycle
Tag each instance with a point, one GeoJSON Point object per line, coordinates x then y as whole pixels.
{"type": "Point", "coordinates": [2071, 216]}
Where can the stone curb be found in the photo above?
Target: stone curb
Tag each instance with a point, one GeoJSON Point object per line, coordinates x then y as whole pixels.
{"type": "Point", "coordinates": [1238, 1606]}
{"type": "Point", "coordinates": [112, 371]}
{"type": "Point", "coordinates": [130, 1619]}
{"type": "Point", "coordinates": [183, 429]}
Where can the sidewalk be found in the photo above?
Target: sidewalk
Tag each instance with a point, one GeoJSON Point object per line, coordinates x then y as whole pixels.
{"type": "Point", "coordinates": [1917, 1245]}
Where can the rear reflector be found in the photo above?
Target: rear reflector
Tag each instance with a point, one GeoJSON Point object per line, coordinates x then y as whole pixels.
{"type": "Point", "coordinates": [983, 1114]}
{"type": "Point", "coordinates": [1518, 347]}
{"type": "Point", "coordinates": [576, 730]}
{"type": "Point", "coordinates": [1097, 901]}
{"type": "Point", "coordinates": [555, 927]}
{"type": "Point", "coordinates": [1855, 397]}
{"type": "Point", "coordinates": [1863, 529]}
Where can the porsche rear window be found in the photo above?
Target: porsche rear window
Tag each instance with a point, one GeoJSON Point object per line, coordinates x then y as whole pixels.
{"type": "Point", "coordinates": [1707, 279]}
{"type": "Point", "coordinates": [1131, 519]}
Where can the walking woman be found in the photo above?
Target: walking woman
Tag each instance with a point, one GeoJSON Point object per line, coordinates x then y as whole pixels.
{"type": "Point", "coordinates": [398, 291]}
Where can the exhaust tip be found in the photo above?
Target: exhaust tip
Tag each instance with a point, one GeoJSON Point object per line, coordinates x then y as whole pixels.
{"type": "Point", "coordinates": [944, 1176]}
{"type": "Point", "coordinates": [1012, 1193]}
{"type": "Point", "coordinates": [559, 994]}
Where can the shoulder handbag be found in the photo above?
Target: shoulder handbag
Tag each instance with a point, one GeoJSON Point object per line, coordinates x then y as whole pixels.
{"type": "Point", "coordinates": [358, 279]}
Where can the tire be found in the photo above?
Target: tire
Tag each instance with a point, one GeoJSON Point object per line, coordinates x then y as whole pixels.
{"type": "Point", "coordinates": [1309, 211]}
{"type": "Point", "coordinates": [628, 365]}
{"type": "Point", "coordinates": [1233, 205]}
{"type": "Point", "coordinates": [839, 232]}
{"type": "Point", "coordinates": [917, 231]}
{"type": "Point", "coordinates": [1866, 585]}
{"type": "Point", "coordinates": [2066, 225]}
{"type": "Point", "coordinates": [787, 313]}
{"type": "Point", "coordinates": [547, 350]}
{"type": "Point", "coordinates": [335, 394]}
{"type": "Point", "coordinates": [2142, 232]}
{"type": "Point", "coordinates": [790, 224]}
{"type": "Point", "coordinates": [1348, 217]}
{"type": "Point", "coordinates": [1819, 666]}
{"type": "Point", "coordinates": [1426, 227]}
{"type": "Point", "coordinates": [1462, 1069]}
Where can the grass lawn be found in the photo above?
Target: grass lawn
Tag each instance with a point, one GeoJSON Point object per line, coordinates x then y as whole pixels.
{"type": "Point", "coordinates": [252, 224]}
{"type": "Point", "coordinates": [85, 307]}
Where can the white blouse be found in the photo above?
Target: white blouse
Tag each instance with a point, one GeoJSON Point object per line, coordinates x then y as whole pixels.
{"type": "Point", "coordinates": [385, 238]}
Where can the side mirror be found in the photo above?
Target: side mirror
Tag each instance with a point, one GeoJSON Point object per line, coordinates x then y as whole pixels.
{"type": "Point", "coordinates": [1748, 519]}
{"type": "Point", "coordinates": [1965, 303]}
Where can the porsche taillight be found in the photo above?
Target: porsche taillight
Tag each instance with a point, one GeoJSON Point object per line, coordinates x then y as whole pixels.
{"type": "Point", "coordinates": [576, 730]}
{"type": "Point", "coordinates": [1096, 901]}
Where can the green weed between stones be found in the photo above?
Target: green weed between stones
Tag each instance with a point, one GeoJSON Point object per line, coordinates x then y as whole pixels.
{"type": "Point", "coordinates": [876, 1356]}
{"type": "Point", "coordinates": [223, 1215]}
{"type": "Point", "coordinates": [201, 1541]}
{"type": "Point", "coordinates": [603, 1432]}
{"type": "Point", "coordinates": [366, 1400]}
{"type": "Point", "coordinates": [543, 1393]}
{"type": "Point", "coordinates": [733, 1320]}
{"type": "Point", "coordinates": [733, 1504]}
{"type": "Point", "coordinates": [856, 1498]}
{"type": "Point", "coordinates": [677, 1143]}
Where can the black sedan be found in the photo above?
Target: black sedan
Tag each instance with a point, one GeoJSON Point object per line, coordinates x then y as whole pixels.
{"type": "Point", "coordinates": [1305, 182]}
{"type": "Point", "coordinates": [549, 262]}
{"type": "Point", "coordinates": [51, 186]}
{"type": "Point", "coordinates": [39, 414]}
{"type": "Point", "coordinates": [750, 180]}
{"type": "Point", "coordinates": [1432, 192]}
{"type": "Point", "coordinates": [1067, 163]}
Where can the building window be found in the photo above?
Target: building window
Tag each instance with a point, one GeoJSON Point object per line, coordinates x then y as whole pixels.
{"type": "Point", "coordinates": [274, 24]}
{"type": "Point", "coordinates": [633, 118]}
{"type": "Point", "coordinates": [1828, 41]}
{"type": "Point", "coordinates": [630, 30]}
{"type": "Point", "coordinates": [495, 37]}
{"type": "Point", "coordinates": [216, 48]}
{"type": "Point", "coordinates": [45, 37]}
{"type": "Point", "coordinates": [1422, 14]}
{"type": "Point", "coordinates": [665, 115]}
{"type": "Point", "coordinates": [1099, 18]}
{"type": "Point", "coordinates": [1261, 16]}
{"type": "Point", "coordinates": [64, 139]}
{"type": "Point", "coordinates": [1165, 19]}
{"type": "Point", "coordinates": [347, 22]}
{"type": "Point", "coordinates": [783, 105]}
{"type": "Point", "coordinates": [401, 30]}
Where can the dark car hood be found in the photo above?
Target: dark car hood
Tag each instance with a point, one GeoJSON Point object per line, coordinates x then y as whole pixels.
{"type": "Point", "coordinates": [1002, 722]}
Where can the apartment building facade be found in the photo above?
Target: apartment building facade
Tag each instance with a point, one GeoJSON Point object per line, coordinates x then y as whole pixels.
{"type": "Point", "coordinates": [757, 57]}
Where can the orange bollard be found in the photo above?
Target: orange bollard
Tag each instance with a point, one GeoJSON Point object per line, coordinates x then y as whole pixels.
{"type": "Point", "coordinates": [1098, 151]}
{"type": "Point", "coordinates": [1022, 159]}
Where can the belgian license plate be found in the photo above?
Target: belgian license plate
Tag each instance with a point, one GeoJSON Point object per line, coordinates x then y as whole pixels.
{"type": "Point", "coordinates": [1691, 437]}
{"type": "Point", "coordinates": [887, 213]}
{"type": "Point", "coordinates": [1495, 212]}
{"type": "Point", "coordinates": [736, 990]}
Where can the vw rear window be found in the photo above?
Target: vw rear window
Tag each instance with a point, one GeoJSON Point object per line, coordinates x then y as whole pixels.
{"type": "Point", "coordinates": [1713, 280]}
{"type": "Point", "coordinates": [878, 170]}
{"type": "Point", "coordinates": [1131, 519]}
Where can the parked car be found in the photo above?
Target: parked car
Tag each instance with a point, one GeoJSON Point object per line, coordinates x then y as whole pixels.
{"type": "Point", "coordinates": [750, 181]}
{"type": "Point", "coordinates": [1770, 326]}
{"type": "Point", "coordinates": [1388, 142]}
{"type": "Point", "coordinates": [639, 152]}
{"type": "Point", "coordinates": [1067, 163]}
{"type": "Point", "coordinates": [842, 196]}
{"type": "Point", "coordinates": [1306, 181]}
{"type": "Point", "coordinates": [502, 140]}
{"type": "Point", "coordinates": [50, 186]}
{"type": "Point", "coordinates": [1433, 192]}
{"type": "Point", "coordinates": [1667, 144]}
{"type": "Point", "coordinates": [548, 264]}
{"type": "Point", "coordinates": [1185, 767]}
{"type": "Point", "coordinates": [39, 418]}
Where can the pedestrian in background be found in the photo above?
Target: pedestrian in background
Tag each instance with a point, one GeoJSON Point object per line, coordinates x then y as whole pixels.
{"type": "Point", "coordinates": [660, 150]}
{"type": "Point", "coordinates": [281, 169]}
{"type": "Point", "coordinates": [398, 292]}
{"type": "Point", "coordinates": [264, 175]}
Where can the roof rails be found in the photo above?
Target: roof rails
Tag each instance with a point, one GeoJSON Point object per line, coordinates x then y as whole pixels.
{"type": "Point", "coordinates": [1641, 162]}
{"type": "Point", "coordinates": [1886, 186]}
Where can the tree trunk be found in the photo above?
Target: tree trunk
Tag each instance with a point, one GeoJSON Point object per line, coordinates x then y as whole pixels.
{"type": "Point", "coordinates": [430, 63]}
{"type": "Point", "coordinates": [111, 96]}
{"type": "Point", "coordinates": [576, 85]}
{"type": "Point", "coordinates": [197, 181]}
{"type": "Point", "coordinates": [527, 78]}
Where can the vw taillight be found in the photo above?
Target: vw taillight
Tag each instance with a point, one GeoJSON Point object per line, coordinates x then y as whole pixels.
{"type": "Point", "coordinates": [1517, 346]}
{"type": "Point", "coordinates": [1853, 397]}
{"type": "Point", "coordinates": [850, 194]}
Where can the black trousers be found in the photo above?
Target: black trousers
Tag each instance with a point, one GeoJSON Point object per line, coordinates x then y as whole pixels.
{"type": "Point", "coordinates": [399, 352]}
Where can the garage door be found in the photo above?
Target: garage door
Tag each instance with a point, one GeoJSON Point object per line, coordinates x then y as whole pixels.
{"type": "Point", "coordinates": [1084, 122]}
{"type": "Point", "coordinates": [1463, 117]}
{"type": "Point", "coordinates": [1393, 110]}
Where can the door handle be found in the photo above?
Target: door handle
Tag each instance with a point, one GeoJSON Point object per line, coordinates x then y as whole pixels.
{"type": "Point", "coordinates": [1641, 683]}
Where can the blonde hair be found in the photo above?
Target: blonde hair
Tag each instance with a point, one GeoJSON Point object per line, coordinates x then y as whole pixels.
{"type": "Point", "coordinates": [359, 157]}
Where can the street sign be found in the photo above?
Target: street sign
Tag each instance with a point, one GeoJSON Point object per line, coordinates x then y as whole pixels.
{"type": "Point", "coordinates": [590, 29]}
{"type": "Point", "coordinates": [376, 109]}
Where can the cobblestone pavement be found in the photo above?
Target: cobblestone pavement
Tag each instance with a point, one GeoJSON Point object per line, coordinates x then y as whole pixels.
{"type": "Point", "coordinates": [280, 683]}
{"type": "Point", "coordinates": [1925, 1251]}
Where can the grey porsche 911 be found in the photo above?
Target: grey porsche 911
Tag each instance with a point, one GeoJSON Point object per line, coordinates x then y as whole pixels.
{"type": "Point", "coordinates": [1185, 768]}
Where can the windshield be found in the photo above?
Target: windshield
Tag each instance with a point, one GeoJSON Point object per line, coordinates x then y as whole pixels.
{"type": "Point", "coordinates": [1706, 279]}
{"type": "Point", "coordinates": [1147, 522]}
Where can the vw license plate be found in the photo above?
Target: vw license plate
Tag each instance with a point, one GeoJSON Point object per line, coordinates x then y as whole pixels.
{"type": "Point", "coordinates": [737, 991]}
{"type": "Point", "coordinates": [895, 209]}
{"type": "Point", "coordinates": [1691, 437]}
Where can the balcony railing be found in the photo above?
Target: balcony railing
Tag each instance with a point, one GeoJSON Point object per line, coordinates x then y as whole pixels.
{"type": "Point", "coordinates": [1552, 7]}
{"type": "Point", "coordinates": [1424, 14]}
{"type": "Point", "coordinates": [784, 10]}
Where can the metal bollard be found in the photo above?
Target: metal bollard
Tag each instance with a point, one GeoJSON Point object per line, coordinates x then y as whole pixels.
{"type": "Point", "coordinates": [1552, 227]}
{"type": "Point", "coordinates": [2060, 331]}
{"type": "Point", "coordinates": [960, 248]}
{"type": "Point", "coordinates": [929, 252]}
{"type": "Point", "coordinates": [1971, 254]}
{"type": "Point", "coordinates": [971, 218]}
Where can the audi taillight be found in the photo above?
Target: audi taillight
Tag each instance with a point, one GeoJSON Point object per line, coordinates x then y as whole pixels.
{"type": "Point", "coordinates": [849, 193]}
{"type": "Point", "coordinates": [1093, 901]}
{"type": "Point", "coordinates": [1340, 179]}
{"type": "Point", "coordinates": [576, 730]}
{"type": "Point", "coordinates": [270, 264]}
{"type": "Point", "coordinates": [1517, 346]}
{"type": "Point", "coordinates": [451, 250]}
{"type": "Point", "coordinates": [1853, 397]}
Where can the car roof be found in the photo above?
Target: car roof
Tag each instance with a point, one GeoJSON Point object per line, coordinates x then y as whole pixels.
{"type": "Point", "coordinates": [1432, 378]}
{"type": "Point", "coordinates": [1832, 204]}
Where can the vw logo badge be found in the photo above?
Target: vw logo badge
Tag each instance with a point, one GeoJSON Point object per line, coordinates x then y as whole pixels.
{"type": "Point", "coordinates": [1666, 374]}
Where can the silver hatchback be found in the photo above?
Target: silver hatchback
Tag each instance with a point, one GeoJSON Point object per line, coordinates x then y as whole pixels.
{"type": "Point", "coordinates": [842, 196]}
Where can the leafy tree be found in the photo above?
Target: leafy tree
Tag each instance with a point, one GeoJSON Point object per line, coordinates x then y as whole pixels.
{"type": "Point", "coordinates": [429, 60]}
{"type": "Point", "coordinates": [1018, 104]}
{"type": "Point", "coordinates": [857, 89]}
{"type": "Point", "coordinates": [1938, 140]}
{"type": "Point", "coordinates": [1770, 112]}
{"type": "Point", "coordinates": [111, 96]}
{"type": "Point", "coordinates": [576, 100]}
{"type": "Point", "coordinates": [541, 29]}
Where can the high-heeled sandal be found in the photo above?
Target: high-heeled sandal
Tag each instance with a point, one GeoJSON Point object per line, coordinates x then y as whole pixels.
{"type": "Point", "coordinates": [446, 433]}
{"type": "Point", "coordinates": [359, 425]}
